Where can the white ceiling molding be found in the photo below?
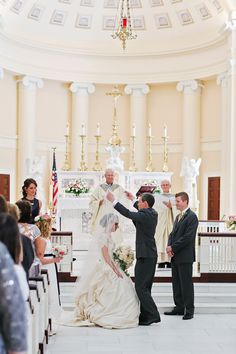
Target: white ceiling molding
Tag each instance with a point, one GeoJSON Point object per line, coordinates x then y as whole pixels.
{"type": "Point", "coordinates": [203, 11]}
{"type": "Point", "coordinates": [111, 4]}
{"type": "Point", "coordinates": [156, 2]}
{"type": "Point", "coordinates": [83, 21]}
{"type": "Point", "coordinates": [54, 65]}
{"type": "Point", "coordinates": [17, 6]}
{"type": "Point", "coordinates": [185, 17]}
{"type": "Point", "coordinates": [58, 17]}
{"type": "Point", "coordinates": [36, 12]}
{"type": "Point", "coordinates": [162, 20]}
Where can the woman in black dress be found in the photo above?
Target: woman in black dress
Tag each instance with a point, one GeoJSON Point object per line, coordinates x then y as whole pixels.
{"type": "Point", "coordinates": [29, 190]}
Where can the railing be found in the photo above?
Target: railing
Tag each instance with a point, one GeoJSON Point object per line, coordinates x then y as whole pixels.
{"type": "Point", "coordinates": [64, 238]}
{"type": "Point", "coordinates": [217, 252]}
{"type": "Point", "coordinates": [212, 226]}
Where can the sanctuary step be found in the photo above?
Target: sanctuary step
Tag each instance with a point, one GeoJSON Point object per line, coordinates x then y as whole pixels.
{"type": "Point", "coordinates": [212, 298]}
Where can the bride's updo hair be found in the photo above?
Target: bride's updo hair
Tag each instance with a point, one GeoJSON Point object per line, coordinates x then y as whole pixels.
{"type": "Point", "coordinates": [109, 219]}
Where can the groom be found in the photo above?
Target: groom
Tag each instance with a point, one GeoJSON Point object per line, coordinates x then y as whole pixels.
{"type": "Point", "coordinates": [145, 221]}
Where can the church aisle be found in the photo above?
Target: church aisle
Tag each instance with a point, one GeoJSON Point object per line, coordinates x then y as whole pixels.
{"type": "Point", "coordinates": [204, 334]}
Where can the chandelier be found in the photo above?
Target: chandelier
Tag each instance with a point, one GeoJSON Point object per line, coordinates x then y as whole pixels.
{"type": "Point", "coordinates": [124, 28]}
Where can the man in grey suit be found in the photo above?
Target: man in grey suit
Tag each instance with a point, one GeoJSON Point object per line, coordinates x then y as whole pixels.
{"type": "Point", "coordinates": [181, 249]}
{"type": "Point", "coordinates": [145, 221]}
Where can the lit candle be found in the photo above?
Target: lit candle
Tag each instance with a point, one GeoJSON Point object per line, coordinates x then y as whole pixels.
{"type": "Point", "coordinates": [124, 22]}
{"type": "Point", "coordinates": [98, 129]}
{"type": "Point", "coordinates": [165, 131]}
{"type": "Point", "coordinates": [149, 130]}
{"type": "Point", "coordinates": [67, 129]}
{"type": "Point", "coordinates": [82, 129]}
{"type": "Point", "coordinates": [134, 132]}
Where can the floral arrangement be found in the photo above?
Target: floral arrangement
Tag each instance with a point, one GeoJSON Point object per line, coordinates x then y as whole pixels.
{"type": "Point", "coordinates": [43, 217]}
{"type": "Point", "coordinates": [59, 250]}
{"type": "Point", "coordinates": [124, 256]}
{"type": "Point", "coordinates": [231, 222]}
{"type": "Point", "coordinates": [77, 187]}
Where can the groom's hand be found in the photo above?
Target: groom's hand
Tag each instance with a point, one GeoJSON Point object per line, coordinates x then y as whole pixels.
{"type": "Point", "coordinates": [129, 195]}
{"type": "Point", "coordinates": [169, 251]}
{"type": "Point", "coordinates": [110, 197]}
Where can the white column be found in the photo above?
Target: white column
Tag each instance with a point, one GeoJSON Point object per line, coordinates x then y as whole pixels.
{"type": "Point", "coordinates": [191, 118]}
{"type": "Point", "coordinates": [222, 80]}
{"type": "Point", "coordinates": [1, 73]}
{"type": "Point", "coordinates": [80, 114]}
{"type": "Point", "coordinates": [231, 172]}
{"type": "Point", "coordinates": [26, 124]}
{"type": "Point", "coordinates": [138, 118]}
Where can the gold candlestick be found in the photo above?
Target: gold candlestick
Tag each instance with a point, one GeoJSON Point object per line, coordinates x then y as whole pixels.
{"type": "Point", "coordinates": [132, 166]}
{"type": "Point", "coordinates": [83, 166]}
{"type": "Point", "coordinates": [97, 165]}
{"type": "Point", "coordinates": [149, 167]}
{"type": "Point", "coordinates": [66, 166]}
{"type": "Point", "coordinates": [165, 153]}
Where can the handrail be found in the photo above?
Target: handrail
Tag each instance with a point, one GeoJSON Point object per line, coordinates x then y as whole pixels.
{"type": "Point", "coordinates": [64, 237]}
{"type": "Point", "coordinates": [217, 252]}
{"type": "Point", "coordinates": [217, 234]}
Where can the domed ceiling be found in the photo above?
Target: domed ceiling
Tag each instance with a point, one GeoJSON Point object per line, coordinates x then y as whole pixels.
{"type": "Point", "coordinates": [85, 26]}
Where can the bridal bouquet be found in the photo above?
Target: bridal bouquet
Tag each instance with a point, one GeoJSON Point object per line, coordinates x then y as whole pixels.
{"type": "Point", "coordinates": [124, 256]}
{"type": "Point", "coordinates": [77, 187]}
{"type": "Point", "coordinates": [231, 223]}
{"type": "Point", "coordinates": [59, 250]}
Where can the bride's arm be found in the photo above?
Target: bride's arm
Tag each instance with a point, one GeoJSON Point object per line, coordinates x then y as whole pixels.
{"type": "Point", "coordinates": [108, 260]}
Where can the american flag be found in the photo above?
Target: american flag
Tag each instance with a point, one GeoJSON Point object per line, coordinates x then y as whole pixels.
{"type": "Point", "coordinates": [54, 181]}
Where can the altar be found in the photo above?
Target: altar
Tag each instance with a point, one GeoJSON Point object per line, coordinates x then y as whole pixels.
{"type": "Point", "coordinates": [73, 212]}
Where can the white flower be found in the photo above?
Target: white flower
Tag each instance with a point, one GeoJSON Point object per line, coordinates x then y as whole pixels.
{"type": "Point", "coordinates": [60, 250]}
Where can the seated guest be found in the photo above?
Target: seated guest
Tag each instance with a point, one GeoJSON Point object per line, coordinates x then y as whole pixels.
{"type": "Point", "coordinates": [10, 237]}
{"type": "Point", "coordinates": [13, 324]}
{"type": "Point", "coordinates": [29, 191]}
{"type": "Point", "coordinates": [29, 230]}
{"type": "Point", "coordinates": [28, 250]}
{"type": "Point", "coordinates": [49, 260]}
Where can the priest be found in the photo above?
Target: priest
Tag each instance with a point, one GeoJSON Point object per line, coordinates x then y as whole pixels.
{"type": "Point", "coordinates": [100, 206]}
{"type": "Point", "coordinates": [165, 206]}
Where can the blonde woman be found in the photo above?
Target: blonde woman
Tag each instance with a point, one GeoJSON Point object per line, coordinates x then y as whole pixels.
{"type": "Point", "coordinates": [49, 261]}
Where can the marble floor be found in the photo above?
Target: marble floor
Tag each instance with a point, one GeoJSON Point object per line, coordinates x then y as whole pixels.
{"type": "Point", "coordinates": [205, 334]}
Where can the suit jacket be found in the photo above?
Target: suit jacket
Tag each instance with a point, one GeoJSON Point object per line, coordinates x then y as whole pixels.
{"type": "Point", "coordinates": [145, 221]}
{"type": "Point", "coordinates": [182, 238]}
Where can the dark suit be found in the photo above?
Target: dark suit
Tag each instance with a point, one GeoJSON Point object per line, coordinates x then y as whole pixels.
{"type": "Point", "coordinates": [145, 221]}
{"type": "Point", "coordinates": [182, 241]}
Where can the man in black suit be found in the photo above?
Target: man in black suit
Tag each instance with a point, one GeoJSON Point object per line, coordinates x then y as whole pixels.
{"type": "Point", "coordinates": [181, 249]}
{"type": "Point", "coordinates": [145, 221]}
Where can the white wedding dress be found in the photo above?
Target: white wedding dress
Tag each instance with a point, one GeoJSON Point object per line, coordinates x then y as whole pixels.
{"type": "Point", "coordinates": [102, 298]}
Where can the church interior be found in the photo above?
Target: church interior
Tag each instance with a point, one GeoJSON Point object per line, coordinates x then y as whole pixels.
{"type": "Point", "coordinates": [146, 88]}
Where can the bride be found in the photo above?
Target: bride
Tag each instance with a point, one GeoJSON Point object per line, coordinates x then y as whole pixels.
{"type": "Point", "coordinates": [105, 295]}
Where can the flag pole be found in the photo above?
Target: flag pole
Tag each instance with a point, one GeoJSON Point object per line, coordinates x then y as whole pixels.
{"type": "Point", "coordinates": [52, 207]}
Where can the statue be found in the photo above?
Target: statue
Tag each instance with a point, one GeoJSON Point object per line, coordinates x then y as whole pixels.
{"type": "Point", "coordinates": [35, 169]}
{"type": "Point", "coordinates": [190, 171]}
{"type": "Point", "coordinates": [114, 162]}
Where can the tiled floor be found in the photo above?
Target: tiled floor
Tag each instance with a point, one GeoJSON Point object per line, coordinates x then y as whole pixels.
{"type": "Point", "coordinates": [205, 334]}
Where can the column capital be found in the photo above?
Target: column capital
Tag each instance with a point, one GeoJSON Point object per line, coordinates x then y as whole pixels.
{"type": "Point", "coordinates": [221, 79]}
{"type": "Point", "coordinates": [1, 73]}
{"type": "Point", "coordinates": [31, 82]}
{"type": "Point", "coordinates": [231, 23]}
{"type": "Point", "coordinates": [137, 89]}
{"type": "Point", "coordinates": [82, 88]}
{"type": "Point", "coordinates": [188, 86]}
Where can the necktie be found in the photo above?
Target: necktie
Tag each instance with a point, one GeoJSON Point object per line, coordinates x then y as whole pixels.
{"type": "Point", "coordinates": [180, 216]}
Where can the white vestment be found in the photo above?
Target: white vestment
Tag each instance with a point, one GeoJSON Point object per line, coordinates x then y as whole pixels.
{"type": "Point", "coordinates": [165, 222]}
{"type": "Point", "coordinates": [107, 207]}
